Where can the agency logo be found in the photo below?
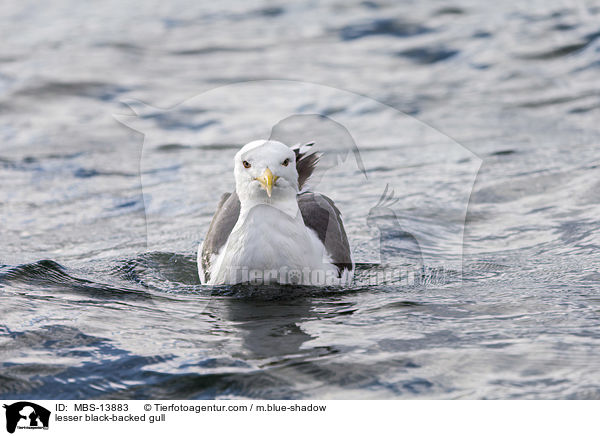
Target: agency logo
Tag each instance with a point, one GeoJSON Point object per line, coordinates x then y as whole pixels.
{"type": "Point", "coordinates": [26, 415]}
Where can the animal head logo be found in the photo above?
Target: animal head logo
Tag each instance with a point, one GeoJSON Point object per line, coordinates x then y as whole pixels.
{"type": "Point", "coordinates": [26, 415]}
{"type": "Point", "coordinates": [332, 140]}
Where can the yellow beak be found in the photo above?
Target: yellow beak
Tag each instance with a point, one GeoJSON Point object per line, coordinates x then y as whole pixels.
{"type": "Point", "coordinates": [267, 180]}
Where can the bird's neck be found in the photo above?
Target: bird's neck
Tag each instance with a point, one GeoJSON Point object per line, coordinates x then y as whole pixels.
{"type": "Point", "coordinates": [287, 204]}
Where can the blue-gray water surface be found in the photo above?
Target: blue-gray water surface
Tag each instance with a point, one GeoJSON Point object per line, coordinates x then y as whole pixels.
{"type": "Point", "coordinates": [118, 123]}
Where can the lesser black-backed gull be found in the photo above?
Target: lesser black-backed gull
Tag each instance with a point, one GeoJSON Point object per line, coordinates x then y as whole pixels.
{"type": "Point", "coordinates": [270, 230]}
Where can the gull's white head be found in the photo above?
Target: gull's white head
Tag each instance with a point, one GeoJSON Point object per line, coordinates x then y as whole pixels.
{"type": "Point", "coordinates": [265, 171]}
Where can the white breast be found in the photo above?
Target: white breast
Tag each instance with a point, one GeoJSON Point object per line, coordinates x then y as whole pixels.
{"type": "Point", "coordinates": [268, 245]}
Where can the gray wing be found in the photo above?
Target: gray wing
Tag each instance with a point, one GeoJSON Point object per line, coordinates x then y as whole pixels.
{"type": "Point", "coordinates": [321, 215]}
{"type": "Point", "coordinates": [223, 222]}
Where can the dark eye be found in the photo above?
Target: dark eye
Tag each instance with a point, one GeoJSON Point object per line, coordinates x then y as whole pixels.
{"type": "Point", "coordinates": [246, 164]}
{"type": "Point", "coordinates": [285, 162]}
